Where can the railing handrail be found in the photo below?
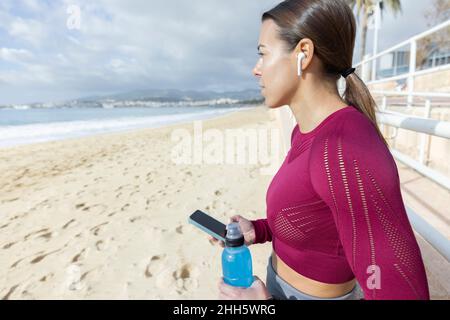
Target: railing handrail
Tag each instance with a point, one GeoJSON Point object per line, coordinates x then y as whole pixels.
{"type": "Point", "coordinates": [415, 94]}
{"type": "Point", "coordinates": [417, 124]}
{"type": "Point", "coordinates": [406, 42]}
{"type": "Point", "coordinates": [411, 74]}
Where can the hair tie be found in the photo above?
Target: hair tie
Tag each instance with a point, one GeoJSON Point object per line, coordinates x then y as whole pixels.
{"type": "Point", "coordinates": [348, 72]}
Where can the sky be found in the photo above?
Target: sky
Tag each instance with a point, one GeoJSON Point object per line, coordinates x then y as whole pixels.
{"type": "Point", "coordinates": [49, 52]}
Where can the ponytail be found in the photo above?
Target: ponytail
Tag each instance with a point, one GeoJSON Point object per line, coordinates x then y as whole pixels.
{"type": "Point", "coordinates": [358, 95]}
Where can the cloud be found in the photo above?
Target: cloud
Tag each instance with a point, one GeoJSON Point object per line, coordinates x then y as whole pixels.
{"type": "Point", "coordinates": [29, 30]}
{"type": "Point", "coordinates": [15, 55]}
{"type": "Point", "coordinates": [128, 45]}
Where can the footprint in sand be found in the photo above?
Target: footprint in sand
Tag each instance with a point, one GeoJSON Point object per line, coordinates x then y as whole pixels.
{"type": "Point", "coordinates": [8, 245]}
{"type": "Point", "coordinates": [96, 229]}
{"type": "Point", "coordinates": [155, 265]}
{"type": "Point", "coordinates": [183, 273]}
{"type": "Point", "coordinates": [68, 223]}
{"type": "Point", "coordinates": [81, 255]}
{"type": "Point", "coordinates": [45, 230]}
{"type": "Point", "coordinates": [43, 256]}
{"type": "Point", "coordinates": [185, 278]}
{"type": "Point", "coordinates": [96, 208]}
{"type": "Point", "coordinates": [10, 200]}
{"type": "Point", "coordinates": [10, 292]}
{"type": "Point", "coordinates": [46, 277]}
{"type": "Point", "coordinates": [101, 245]}
{"type": "Point", "coordinates": [79, 205]}
{"type": "Point", "coordinates": [136, 218]}
{"type": "Point", "coordinates": [47, 236]}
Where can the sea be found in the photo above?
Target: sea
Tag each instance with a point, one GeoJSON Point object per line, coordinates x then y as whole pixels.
{"type": "Point", "coordinates": [19, 126]}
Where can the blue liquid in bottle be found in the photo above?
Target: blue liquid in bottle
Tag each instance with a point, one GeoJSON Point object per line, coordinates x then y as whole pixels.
{"type": "Point", "coordinates": [236, 259]}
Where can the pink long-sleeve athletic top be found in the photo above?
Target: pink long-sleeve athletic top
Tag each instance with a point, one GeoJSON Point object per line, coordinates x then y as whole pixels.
{"type": "Point", "coordinates": [335, 211]}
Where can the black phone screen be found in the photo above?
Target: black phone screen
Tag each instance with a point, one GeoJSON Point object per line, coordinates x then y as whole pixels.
{"type": "Point", "coordinates": [208, 223]}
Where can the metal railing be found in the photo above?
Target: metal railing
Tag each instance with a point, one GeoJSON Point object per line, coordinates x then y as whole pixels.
{"type": "Point", "coordinates": [420, 125]}
{"type": "Point", "coordinates": [428, 123]}
{"type": "Point", "coordinates": [412, 72]}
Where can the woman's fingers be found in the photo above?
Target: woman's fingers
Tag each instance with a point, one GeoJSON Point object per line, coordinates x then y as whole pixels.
{"type": "Point", "coordinates": [235, 218]}
{"type": "Point", "coordinates": [227, 290]}
{"type": "Point", "coordinates": [215, 241]}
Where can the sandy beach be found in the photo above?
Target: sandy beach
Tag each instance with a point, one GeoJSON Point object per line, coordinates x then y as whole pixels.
{"type": "Point", "coordinates": [105, 217]}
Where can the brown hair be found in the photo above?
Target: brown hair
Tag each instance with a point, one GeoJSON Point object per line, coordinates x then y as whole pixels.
{"type": "Point", "coordinates": [331, 26]}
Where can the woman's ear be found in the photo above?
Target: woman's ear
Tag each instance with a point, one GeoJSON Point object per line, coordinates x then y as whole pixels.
{"type": "Point", "coordinates": [306, 47]}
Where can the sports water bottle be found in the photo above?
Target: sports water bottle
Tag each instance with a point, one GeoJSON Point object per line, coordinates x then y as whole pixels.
{"type": "Point", "coordinates": [236, 258]}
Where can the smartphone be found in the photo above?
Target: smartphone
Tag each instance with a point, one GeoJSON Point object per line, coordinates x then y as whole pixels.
{"type": "Point", "coordinates": [208, 224]}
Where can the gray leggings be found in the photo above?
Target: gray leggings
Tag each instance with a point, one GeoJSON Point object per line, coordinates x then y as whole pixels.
{"type": "Point", "coordinates": [282, 290]}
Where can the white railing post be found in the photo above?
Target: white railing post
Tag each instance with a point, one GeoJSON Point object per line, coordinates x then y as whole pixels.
{"type": "Point", "coordinates": [424, 137]}
{"type": "Point", "coordinates": [412, 71]}
{"type": "Point", "coordinates": [366, 69]}
{"type": "Point", "coordinates": [377, 17]}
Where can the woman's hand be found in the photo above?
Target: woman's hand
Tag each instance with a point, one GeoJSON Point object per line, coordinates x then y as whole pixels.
{"type": "Point", "coordinates": [257, 291]}
{"type": "Point", "coordinates": [247, 230]}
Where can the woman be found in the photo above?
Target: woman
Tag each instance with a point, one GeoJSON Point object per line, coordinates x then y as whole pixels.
{"type": "Point", "coordinates": [335, 213]}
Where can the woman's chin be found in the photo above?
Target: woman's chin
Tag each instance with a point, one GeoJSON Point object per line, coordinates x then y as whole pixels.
{"type": "Point", "coordinates": [271, 104]}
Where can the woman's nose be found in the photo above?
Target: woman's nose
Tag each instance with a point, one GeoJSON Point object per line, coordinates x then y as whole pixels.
{"type": "Point", "coordinates": [257, 69]}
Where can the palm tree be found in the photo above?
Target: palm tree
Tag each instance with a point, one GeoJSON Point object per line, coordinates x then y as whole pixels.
{"type": "Point", "coordinates": [366, 7]}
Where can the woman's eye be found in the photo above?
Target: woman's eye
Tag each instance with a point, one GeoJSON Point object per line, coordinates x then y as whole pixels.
{"type": "Point", "coordinates": [260, 54]}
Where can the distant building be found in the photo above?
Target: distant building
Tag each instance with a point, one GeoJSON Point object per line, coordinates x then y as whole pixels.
{"type": "Point", "coordinates": [393, 63]}
{"type": "Point", "coordinates": [397, 62]}
{"type": "Point", "coordinates": [438, 57]}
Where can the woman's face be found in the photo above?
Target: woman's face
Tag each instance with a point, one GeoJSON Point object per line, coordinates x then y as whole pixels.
{"type": "Point", "coordinates": [276, 68]}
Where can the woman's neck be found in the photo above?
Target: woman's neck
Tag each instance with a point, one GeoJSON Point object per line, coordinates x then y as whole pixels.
{"type": "Point", "coordinates": [312, 105]}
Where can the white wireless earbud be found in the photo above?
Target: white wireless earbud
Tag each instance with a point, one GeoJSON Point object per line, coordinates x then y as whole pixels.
{"type": "Point", "coordinates": [300, 58]}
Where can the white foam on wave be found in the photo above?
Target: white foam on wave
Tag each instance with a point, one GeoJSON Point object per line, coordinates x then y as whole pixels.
{"type": "Point", "coordinates": [34, 133]}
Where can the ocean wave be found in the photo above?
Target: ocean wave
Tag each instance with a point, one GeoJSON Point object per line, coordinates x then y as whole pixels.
{"type": "Point", "coordinates": [33, 133]}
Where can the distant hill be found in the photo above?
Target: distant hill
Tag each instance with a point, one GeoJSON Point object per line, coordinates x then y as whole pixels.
{"type": "Point", "coordinates": [180, 95]}
{"type": "Point", "coordinates": [156, 98]}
